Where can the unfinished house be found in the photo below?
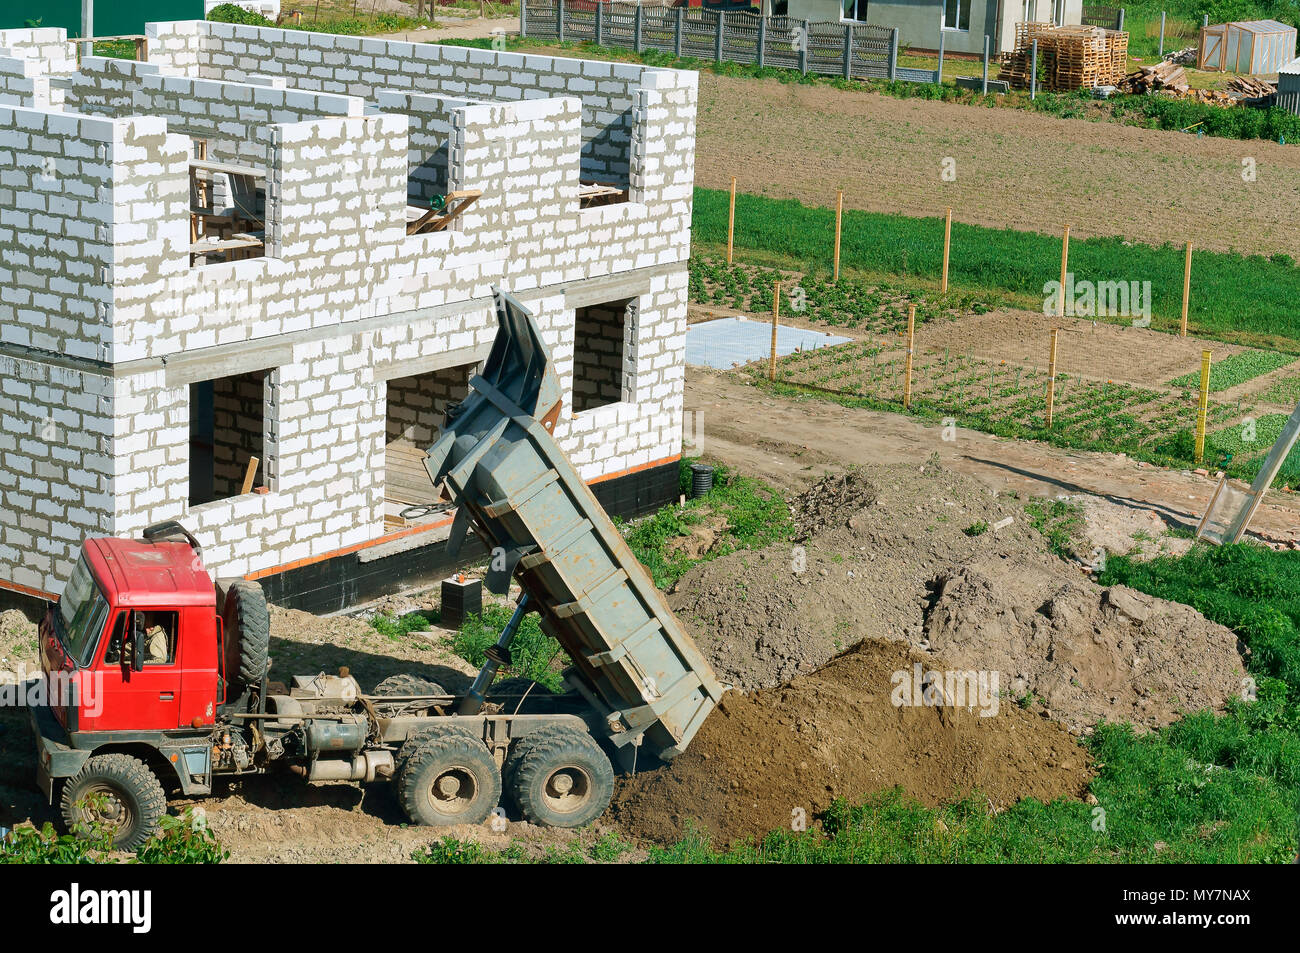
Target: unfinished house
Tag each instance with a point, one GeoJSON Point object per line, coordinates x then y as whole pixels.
{"type": "Point", "coordinates": [242, 281]}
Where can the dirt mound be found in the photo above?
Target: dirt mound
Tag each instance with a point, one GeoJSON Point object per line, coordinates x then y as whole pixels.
{"type": "Point", "coordinates": [875, 538]}
{"type": "Point", "coordinates": [18, 642]}
{"type": "Point", "coordinates": [762, 757]}
{"type": "Point", "coordinates": [830, 502]}
{"type": "Point", "coordinates": [1087, 653]}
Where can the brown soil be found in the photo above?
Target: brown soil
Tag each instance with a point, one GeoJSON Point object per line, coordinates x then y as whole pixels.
{"type": "Point", "coordinates": [1103, 178]}
{"type": "Point", "coordinates": [763, 757]}
{"type": "Point", "coordinates": [1097, 350]}
{"type": "Point", "coordinates": [763, 617]}
{"type": "Point", "coordinates": [1086, 653]}
{"type": "Point", "coordinates": [793, 442]}
{"type": "Point", "coordinates": [994, 601]}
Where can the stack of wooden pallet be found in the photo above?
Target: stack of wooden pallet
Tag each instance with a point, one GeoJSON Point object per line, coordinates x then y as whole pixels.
{"type": "Point", "coordinates": [1069, 57]}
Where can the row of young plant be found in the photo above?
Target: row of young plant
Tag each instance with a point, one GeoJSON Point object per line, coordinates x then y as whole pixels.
{"type": "Point", "coordinates": [183, 839]}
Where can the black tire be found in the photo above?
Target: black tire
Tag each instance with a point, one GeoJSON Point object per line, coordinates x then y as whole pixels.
{"type": "Point", "coordinates": [450, 779]}
{"type": "Point", "coordinates": [405, 684]}
{"type": "Point", "coordinates": [561, 778]}
{"type": "Point", "coordinates": [248, 636]}
{"type": "Point", "coordinates": [417, 738]}
{"type": "Point", "coordinates": [133, 803]}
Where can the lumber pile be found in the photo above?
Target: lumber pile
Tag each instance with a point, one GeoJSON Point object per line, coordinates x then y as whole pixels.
{"type": "Point", "coordinates": [1171, 79]}
{"type": "Point", "coordinates": [1185, 57]}
{"type": "Point", "coordinates": [1069, 57]}
{"type": "Point", "coordinates": [1166, 75]}
{"type": "Point", "coordinates": [1248, 87]}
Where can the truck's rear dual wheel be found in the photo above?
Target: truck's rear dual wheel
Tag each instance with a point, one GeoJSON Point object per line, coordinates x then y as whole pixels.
{"type": "Point", "coordinates": [117, 793]}
{"type": "Point", "coordinates": [449, 779]}
{"type": "Point", "coordinates": [560, 777]}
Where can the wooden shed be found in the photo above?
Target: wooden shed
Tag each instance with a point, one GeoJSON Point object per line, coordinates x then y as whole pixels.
{"type": "Point", "coordinates": [1257, 47]}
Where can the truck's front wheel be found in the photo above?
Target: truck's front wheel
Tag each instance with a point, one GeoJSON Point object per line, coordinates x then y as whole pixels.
{"type": "Point", "coordinates": [560, 777]}
{"type": "Point", "coordinates": [115, 793]}
{"type": "Point", "coordinates": [449, 779]}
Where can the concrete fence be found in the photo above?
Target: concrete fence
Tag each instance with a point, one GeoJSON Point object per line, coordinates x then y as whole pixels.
{"type": "Point", "coordinates": [853, 51]}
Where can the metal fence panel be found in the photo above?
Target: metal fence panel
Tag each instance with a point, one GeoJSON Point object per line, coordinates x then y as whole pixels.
{"type": "Point", "coordinates": [1105, 17]}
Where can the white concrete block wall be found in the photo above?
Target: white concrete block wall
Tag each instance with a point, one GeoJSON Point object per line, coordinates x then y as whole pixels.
{"type": "Point", "coordinates": [344, 299]}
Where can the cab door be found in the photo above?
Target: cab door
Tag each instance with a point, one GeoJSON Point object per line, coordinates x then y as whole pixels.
{"type": "Point", "coordinates": [144, 700]}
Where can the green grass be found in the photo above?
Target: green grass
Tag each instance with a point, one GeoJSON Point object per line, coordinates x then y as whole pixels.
{"type": "Point", "coordinates": [536, 655]}
{"type": "Point", "coordinates": [1014, 264]}
{"type": "Point", "coordinates": [1058, 520]}
{"type": "Point", "coordinates": [755, 516]}
{"type": "Point", "coordinates": [1236, 369]}
{"type": "Point", "coordinates": [1246, 444]}
{"type": "Point", "coordinates": [348, 24]}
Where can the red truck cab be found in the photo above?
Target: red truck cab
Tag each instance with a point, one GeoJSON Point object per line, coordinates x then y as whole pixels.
{"type": "Point", "coordinates": [136, 630]}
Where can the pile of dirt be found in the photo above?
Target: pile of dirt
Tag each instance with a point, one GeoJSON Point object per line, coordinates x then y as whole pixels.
{"type": "Point", "coordinates": [18, 642]}
{"type": "Point", "coordinates": [873, 539]}
{"type": "Point", "coordinates": [764, 759]}
{"type": "Point", "coordinates": [931, 558]}
{"type": "Point", "coordinates": [1085, 652]}
{"type": "Point", "coordinates": [828, 504]}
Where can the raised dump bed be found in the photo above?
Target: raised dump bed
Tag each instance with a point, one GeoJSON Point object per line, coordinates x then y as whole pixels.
{"type": "Point", "coordinates": [499, 461]}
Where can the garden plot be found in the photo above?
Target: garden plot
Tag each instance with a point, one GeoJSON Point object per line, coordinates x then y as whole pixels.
{"type": "Point", "coordinates": [1008, 398]}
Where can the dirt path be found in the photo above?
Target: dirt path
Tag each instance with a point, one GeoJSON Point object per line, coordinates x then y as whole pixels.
{"type": "Point", "coordinates": [459, 28]}
{"type": "Point", "coordinates": [794, 442]}
{"type": "Point", "coordinates": [1014, 168]}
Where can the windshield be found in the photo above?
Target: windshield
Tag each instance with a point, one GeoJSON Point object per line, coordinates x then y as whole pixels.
{"type": "Point", "coordinates": [82, 611]}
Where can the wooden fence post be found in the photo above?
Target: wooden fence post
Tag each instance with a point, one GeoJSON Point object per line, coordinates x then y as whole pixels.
{"type": "Point", "coordinates": [731, 220]}
{"type": "Point", "coordinates": [1065, 257]}
{"type": "Point", "coordinates": [911, 343]}
{"type": "Point", "coordinates": [1051, 381]}
{"type": "Point", "coordinates": [947, 244]}
{"type": "Point", "coordinates": [1187, 289]}
{"type": "Point", "coordinates": [1203, 406]}
{"type": "Point", "coordinates": [839, 214]}
{"type": "Point", "coordinates": [776, 316]}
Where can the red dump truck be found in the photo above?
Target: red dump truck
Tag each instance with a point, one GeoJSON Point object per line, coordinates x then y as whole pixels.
{"type": "Point", "coordinates": [158, 676]}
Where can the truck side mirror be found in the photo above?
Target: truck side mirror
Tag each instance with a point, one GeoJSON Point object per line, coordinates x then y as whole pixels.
{"type": "Point", "coordinates": [137, 652]}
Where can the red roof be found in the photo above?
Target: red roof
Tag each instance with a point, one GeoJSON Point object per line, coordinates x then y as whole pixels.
{"type": "Point", "coordinates": [134, 572]}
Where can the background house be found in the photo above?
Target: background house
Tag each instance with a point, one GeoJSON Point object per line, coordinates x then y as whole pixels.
{"type": "Point", "coordinates": [963, 23]}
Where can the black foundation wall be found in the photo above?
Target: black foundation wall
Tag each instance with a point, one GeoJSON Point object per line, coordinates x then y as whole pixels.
{"type": "Point", "coordinates": [345, 581]}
